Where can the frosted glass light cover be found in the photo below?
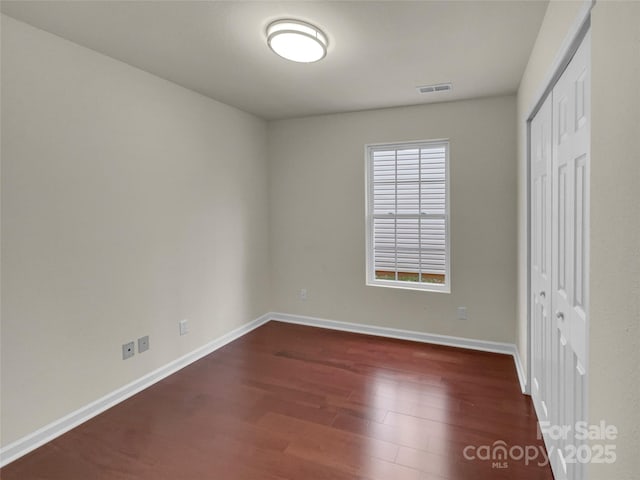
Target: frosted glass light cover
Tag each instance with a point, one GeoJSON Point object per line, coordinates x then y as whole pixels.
{"type": "Point", "coordinates": [296, 41]}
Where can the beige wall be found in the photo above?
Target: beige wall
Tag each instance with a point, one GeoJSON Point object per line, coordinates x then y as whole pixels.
{"type": "Point", "coordinates": [614, 360]}
{"type": "Point", "coordinates": [128, 203]}
{"type": "Point", "coordinates": [317, 223]}
{"type": "Point", "coordinates": [558, 20]}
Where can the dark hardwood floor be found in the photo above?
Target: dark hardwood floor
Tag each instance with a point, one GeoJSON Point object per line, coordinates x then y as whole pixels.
{"type": "Point", "coordinates": [301, 403]}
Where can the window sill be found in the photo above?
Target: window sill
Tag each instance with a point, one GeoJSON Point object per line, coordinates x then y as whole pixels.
{"type": "Point", "coordinates": [417, 287]}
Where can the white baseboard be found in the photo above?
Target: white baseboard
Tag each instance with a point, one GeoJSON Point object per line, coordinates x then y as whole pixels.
{"type": "Point", "coordinates": [47, 433]}
{"type": "Point", "coordinates": [482, 345]}
{"type": "Point", "coordinates": [522, 376]}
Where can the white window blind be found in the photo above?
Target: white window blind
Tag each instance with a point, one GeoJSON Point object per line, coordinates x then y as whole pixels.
{"type": "Point", "coordinates": [407, 215]}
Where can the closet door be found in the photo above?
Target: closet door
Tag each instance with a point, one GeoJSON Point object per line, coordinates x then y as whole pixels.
{"type": "Point", "coordinates": [569, 273]}
{"type": "Point", "coordinates": [560, 156]}
{"type": "Point", "coordinates": [541, 327]}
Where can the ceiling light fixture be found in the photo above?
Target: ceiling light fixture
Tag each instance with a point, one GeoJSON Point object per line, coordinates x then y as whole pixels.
{"type": "Point", "coordinates": [297, 41]}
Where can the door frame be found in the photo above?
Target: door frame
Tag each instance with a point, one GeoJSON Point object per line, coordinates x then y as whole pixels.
{"type": "Point", "coordinates": [568, 48]}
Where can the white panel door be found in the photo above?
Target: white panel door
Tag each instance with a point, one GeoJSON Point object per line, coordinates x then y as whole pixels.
{"type": "Point", "coordinates": [560, 156]}
{"type": "Point", "coordinates": [541, 327]}
{"type": "Point", "coordinates": [569, 273]}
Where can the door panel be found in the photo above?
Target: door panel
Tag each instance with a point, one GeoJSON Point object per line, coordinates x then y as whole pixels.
{"type": "Point", "coordinates": [560, 259]}
{"type": "Point", "coordinates": [571, 152]}
{"type": "Point", "coordinates": [541, 257]}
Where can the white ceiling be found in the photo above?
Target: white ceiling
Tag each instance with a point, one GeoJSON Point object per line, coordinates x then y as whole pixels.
{"type": "Point", "coordinates": [378, 51]}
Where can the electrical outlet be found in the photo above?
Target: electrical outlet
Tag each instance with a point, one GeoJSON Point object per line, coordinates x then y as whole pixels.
{"type": "Point", "coordinates": [462, 313]}
{"type": "Point", "coordinates": [128, 350]}
{"type": "Point", "coordinates": [143, 344]}
{"type": "Point", "coordinates": [303, 294]}
{"type": "Point", "coordinates": [184, 327]}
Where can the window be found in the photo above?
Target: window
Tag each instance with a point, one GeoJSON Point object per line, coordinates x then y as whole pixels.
{"type": "Point", "coordinates": [408, 215]}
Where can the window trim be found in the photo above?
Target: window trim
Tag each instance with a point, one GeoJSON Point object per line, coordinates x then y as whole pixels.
{"type": "Point", "coordinates": [370, 273]}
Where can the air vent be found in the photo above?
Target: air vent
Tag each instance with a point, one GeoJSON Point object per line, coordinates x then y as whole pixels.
{"type": "Point", "coordinates": [441, 87]}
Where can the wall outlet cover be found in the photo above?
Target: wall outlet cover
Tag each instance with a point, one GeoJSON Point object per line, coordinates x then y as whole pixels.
{"type": "Point", "coordinates": [143, 344]}
{"type": "Point", "coordinates": [184, 327]}
{"type": "Point", "coordinates": [128, 350]}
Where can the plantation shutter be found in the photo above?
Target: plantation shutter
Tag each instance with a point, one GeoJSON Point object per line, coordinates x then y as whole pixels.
{"type": "Point", "coordinates": [409, 212]}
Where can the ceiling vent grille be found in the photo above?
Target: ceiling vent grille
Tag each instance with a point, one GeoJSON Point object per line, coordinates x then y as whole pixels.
{"type": "Point", "coordinates": [440, 87]}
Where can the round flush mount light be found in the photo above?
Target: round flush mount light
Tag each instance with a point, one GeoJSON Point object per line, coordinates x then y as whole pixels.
{"type": "Point", "coordinates": [297, 41]}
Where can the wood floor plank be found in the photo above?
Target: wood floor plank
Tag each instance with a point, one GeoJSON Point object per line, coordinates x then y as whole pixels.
{"type": "Point", "coordinates": [291, 402]}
